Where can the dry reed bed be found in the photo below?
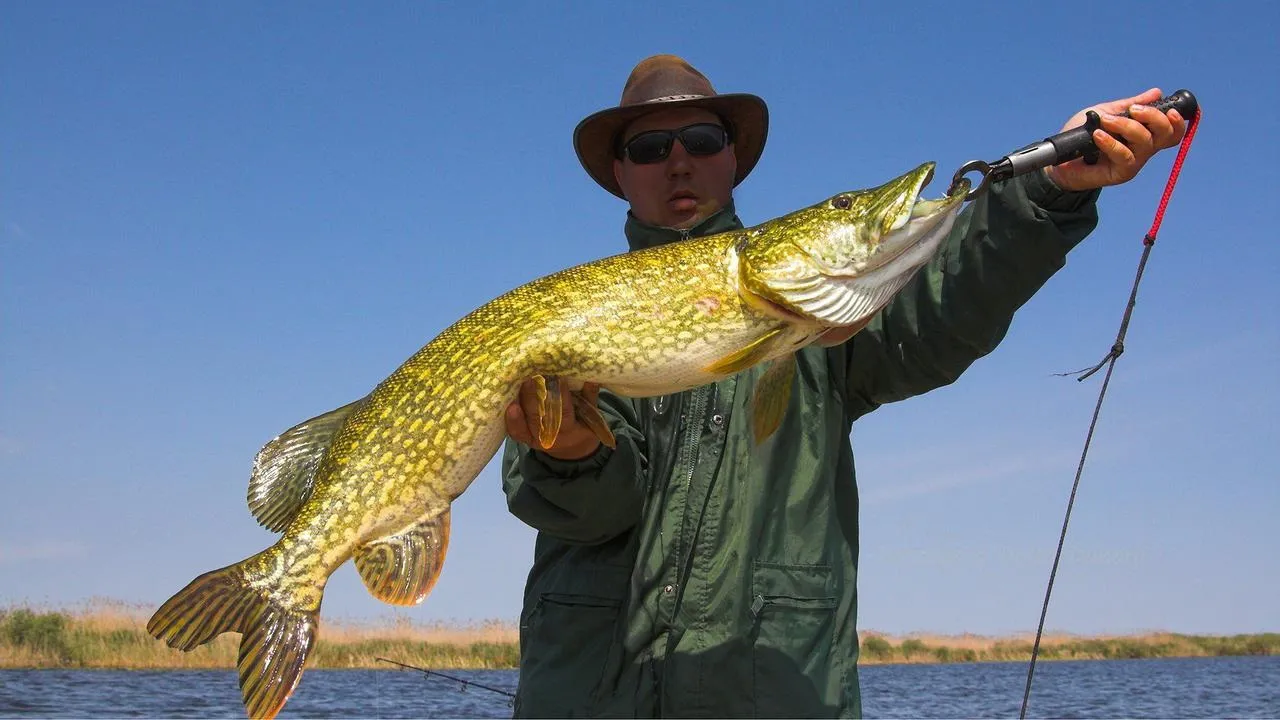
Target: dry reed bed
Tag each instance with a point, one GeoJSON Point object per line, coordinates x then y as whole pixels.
{"type": "Point", "coordinates": [106, 634]}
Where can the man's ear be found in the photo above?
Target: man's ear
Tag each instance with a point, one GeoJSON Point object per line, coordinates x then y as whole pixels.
{"type": "Point", "coordinates": [617, 175]}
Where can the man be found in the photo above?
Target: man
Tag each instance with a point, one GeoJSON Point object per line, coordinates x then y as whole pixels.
{"type": "Point", "coordinates": [688, 572]}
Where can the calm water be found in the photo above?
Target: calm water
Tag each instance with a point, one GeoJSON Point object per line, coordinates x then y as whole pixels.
{"type": "Point", "coordinates": [1184, 688]}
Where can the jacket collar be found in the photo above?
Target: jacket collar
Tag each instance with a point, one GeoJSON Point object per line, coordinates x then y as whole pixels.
{"type": "Point", "coordinates": [641, 235]}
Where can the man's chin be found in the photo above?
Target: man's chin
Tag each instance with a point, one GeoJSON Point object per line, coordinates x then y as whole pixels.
{"type": "Point", "coordinates": [682, 219]}
{"type": "Point", "coordinates": [688, 222]}
{"type": "Point", "coordinates": [690, 215]}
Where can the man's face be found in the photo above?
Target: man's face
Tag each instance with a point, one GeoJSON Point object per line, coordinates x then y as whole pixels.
{"type": "Point", "coordinates": [681, 189]}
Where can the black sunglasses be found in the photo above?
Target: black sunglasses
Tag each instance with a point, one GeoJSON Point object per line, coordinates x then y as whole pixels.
{"type": "Point", "coordinates": [699, 139]}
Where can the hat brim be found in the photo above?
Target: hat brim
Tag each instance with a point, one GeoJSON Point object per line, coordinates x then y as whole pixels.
{"type": "Point", "coordinates": [594, 138]}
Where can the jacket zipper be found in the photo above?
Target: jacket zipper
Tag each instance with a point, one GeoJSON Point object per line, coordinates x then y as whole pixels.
{"type": "Point", "coordinates": [693, 439]}
{"type": "Point", "coordinates": [693, 430]}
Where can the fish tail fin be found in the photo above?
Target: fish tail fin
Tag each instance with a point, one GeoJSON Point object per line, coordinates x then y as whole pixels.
{"type": "Point", "coordinates": [216, 602]}
{"type": "Point", "coordinates": [272, 655]}
{"type": "Point", "coordinates": [276, 635]}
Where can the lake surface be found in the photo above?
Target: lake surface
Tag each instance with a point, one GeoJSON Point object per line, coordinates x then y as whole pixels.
{"type": "Point", "coordinates": [1167, 688]}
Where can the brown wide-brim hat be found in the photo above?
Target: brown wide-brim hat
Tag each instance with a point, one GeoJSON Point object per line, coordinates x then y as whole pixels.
{"type": "Point", "coordinates": [662, 82]}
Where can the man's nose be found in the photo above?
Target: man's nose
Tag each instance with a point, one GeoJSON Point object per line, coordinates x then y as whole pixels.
{"type": "Point", "coordinates": [679, 161]}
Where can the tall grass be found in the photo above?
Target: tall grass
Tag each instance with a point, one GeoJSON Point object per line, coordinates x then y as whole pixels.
{"type": "Point", "coordinates": [115, 636]}
{"type": "Point", "coordinates": [877, 649]}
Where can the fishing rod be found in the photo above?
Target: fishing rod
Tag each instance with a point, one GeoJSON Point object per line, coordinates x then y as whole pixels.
{"type": "Point", "coordinates": [1068, 145]}
{"type": "Point", "coordinates": [464, 682]}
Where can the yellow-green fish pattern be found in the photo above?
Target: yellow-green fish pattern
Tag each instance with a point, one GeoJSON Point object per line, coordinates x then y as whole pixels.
{"type": "Point", "coordinates": [374, 480]}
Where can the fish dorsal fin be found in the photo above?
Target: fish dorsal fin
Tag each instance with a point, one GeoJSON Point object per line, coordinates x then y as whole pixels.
{"type": "Point", "coordinates": [400, 569]}
{"type": "Point", "coordinates": [284, 470]}
{"type": "Point", "coordinates": [752, 354]}
{"type": "Point", "coordinates": [772, 395]}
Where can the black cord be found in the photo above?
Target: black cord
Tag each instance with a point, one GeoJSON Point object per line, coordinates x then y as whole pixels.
{"type": "Point", "coordinates": [1110, 361]}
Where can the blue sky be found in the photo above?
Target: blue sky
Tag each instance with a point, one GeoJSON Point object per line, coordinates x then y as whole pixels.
{"type": "Point", "coordinates": [219, 219]}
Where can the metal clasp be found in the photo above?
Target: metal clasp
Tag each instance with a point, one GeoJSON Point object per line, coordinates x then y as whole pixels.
{"type": "Point", "coordinates": [957, 181]}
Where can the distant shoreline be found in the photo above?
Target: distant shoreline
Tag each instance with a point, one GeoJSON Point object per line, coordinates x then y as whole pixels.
{"type": "Point", "coordinates": [114, 636]}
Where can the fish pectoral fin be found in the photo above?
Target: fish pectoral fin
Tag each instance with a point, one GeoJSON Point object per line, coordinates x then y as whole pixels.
{"type": "Point", "coordinates": [772, 395]}
{"type": "Point", "coordinates": [284, 470]}
{"type": "Point", "coordinates": [544, 410]}
{"type": "Point", "coordinates": [401, 569]}
{"type": "Point", "coordinates": [740, 360]}
{"type": "Point", "coordinates": [588, 413]}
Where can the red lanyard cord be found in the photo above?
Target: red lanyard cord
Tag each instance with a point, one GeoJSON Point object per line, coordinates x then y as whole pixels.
{"type": "Point", "coordinates": [1173, 178]}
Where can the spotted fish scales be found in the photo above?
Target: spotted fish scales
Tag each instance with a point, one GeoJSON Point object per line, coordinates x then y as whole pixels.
{"type": "Point", "coordinates": [373, 480]}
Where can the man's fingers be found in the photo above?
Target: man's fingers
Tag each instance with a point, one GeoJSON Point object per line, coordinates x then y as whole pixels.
{"type": "Point", "coordinates": [566, 404]}
{"type": "Point", "coordinates": [517, 427]}
{"type": "Point", "coordinates": [1177, 129]}
{"type": "Point", "coordinates": [1125, 143]}
{"type": "Point", "coordinates": [591, 391]}
{"type": "Point", "coordinates": [1164, 131]}
{"type": "Point", "coordinates": [1134, 133]}
{"type": "Point", "coordinates": [528, 394]}
{"type": "Point", "coordinates": [1117, 153]}
{"type": "Point", "coordinates": [1179, 124]}
{"type": "Point", "coordinates": [1121, 106]}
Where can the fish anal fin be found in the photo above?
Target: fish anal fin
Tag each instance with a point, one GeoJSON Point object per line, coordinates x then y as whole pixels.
{"type": "Point", "coordinates": [588, 413]}
{"type": "Point", "coordinates": [752, 354]}
{"type": "Point", "coordinates": [772, 395]}
{"type": "Point", "coordinates": [284, 470]}
{"type": "Point", "coordinates": [401, 569]}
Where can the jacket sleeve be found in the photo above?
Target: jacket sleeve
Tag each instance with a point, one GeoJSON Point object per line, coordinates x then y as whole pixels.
{"type": "Point", "coordinates": [588, 501]}
{"type": "Point", "coordinates": [1002, 249]}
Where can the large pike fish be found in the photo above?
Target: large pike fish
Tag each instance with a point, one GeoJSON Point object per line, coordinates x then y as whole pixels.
{"type": "Point", "coordinates": [374, 480]}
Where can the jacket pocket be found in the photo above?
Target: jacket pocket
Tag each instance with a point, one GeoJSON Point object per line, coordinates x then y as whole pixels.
{"type": "Point", "coordinates": [568, 640]}
{"type": "Point", "coordinates": [793, 609]}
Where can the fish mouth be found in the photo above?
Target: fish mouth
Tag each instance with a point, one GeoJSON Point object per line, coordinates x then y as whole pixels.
{"type": "Point", "coordinates": [910, 219]}
{"type": "Point", "coordinates": [910, 230]}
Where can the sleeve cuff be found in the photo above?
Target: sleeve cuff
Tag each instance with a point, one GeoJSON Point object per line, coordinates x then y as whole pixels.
{"type": "Point", "coordinates": [1044, 192]}
{"type": "Point", "coordinates": [550, 468]}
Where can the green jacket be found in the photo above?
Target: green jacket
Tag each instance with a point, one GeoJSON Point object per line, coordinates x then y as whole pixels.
{"type": "Point", "coordinates": [687, 573]}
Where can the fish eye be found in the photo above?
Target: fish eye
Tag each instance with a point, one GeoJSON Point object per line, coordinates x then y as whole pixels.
{"type": "Point", "coordinates": [841, 202]}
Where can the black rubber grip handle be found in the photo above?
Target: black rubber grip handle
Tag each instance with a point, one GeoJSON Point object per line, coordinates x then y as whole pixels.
{"type": "Point", "coordinates": [1182, 101]}
{"type": "Point", "coordinates": [1078, 141]}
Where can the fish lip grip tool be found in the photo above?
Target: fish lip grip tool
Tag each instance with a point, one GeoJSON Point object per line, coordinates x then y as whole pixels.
{"type": "Point", "coordinates": [1057, 149]}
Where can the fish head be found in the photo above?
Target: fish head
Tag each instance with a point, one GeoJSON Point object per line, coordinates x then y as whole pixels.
{"type": "Point", "coordinates": [837, 263]}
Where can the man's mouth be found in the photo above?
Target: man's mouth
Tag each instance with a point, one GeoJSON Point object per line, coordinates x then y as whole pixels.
{"type": "Point", "coordinates": [683, 201]}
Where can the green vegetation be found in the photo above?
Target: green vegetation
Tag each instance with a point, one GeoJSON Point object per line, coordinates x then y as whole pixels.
{"type": "Point", "coordinates": [31, 639]}
{"type": "Point", "coordinates": [43, 633]}
{"type": "Point", "coordinates": [878, 649]}
{"type": "Point", "coordinates": [911, 648]}
{"type": "Point", "coordinates": [118, 639]}
{"type": "Point", "coordinates": [365, 653]}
